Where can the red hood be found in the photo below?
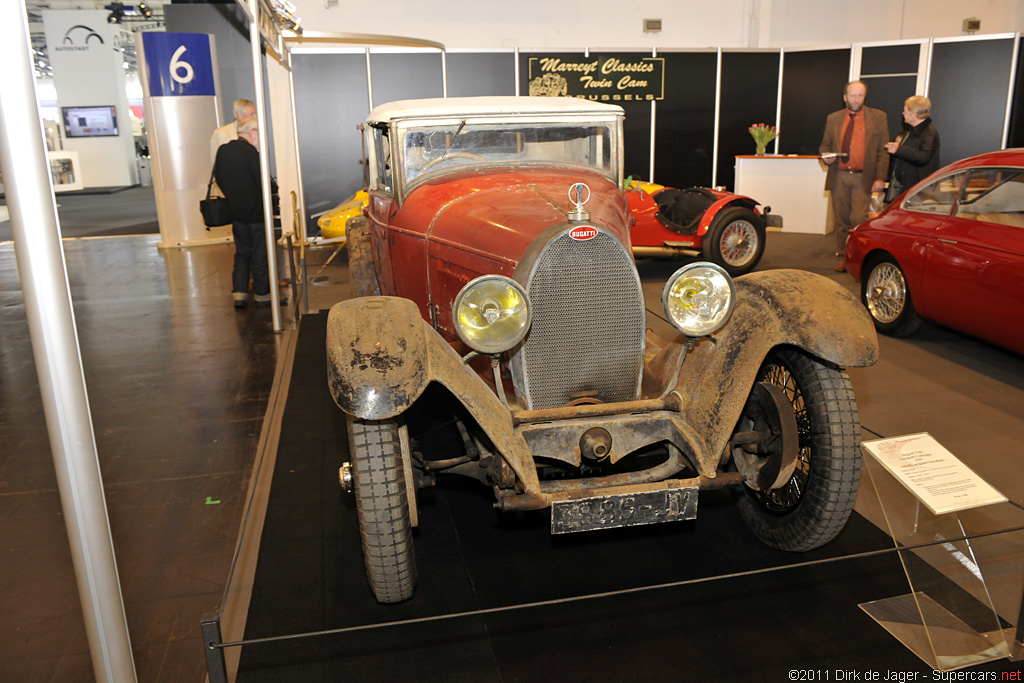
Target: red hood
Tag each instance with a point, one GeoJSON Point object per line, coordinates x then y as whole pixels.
{"type": "Point", "coordinates": [497, 215]}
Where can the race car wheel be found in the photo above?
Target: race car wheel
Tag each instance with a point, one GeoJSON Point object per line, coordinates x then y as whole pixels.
{"type": "Point", "coordinates": [735, 240]}
{"type": "Point", "coordinates": [885, 294]}
{"type": "Point", "coordinates": [382, 505]}
{"type": "Point", "coordinates": [361, 271]}
{"type": "Point", "coordinates": [812, 507]}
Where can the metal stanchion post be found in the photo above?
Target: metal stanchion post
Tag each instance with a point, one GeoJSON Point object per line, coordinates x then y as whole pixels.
{"type": "Point", "coordinates": [215, 665]}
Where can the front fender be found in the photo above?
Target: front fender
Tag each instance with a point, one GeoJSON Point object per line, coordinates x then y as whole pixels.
{"type": "Point", "coordinates": [773, 308]}
{"type": "Point", "coordinates": [381, 355]}
{"type": "Point", "coordinates": [376, 356]}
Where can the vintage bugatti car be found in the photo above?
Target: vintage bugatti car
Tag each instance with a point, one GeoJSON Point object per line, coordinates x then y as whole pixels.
{"type": "Point", "coordinates": [722, 227]}
{"type": "Point", "coordinates": [497, 302]}
{"type": "Point", "coordinates": [949, 250]}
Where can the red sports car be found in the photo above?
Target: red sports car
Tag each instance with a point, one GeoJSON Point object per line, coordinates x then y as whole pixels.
{"type": "Point", "coordinates": [949, 250]}
{"type": "Point", "coordinates": [721, 227]}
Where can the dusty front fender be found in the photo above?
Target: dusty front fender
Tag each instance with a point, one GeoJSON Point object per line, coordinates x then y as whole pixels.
{"type": "Point", "coordinates": [381, 355]}
{"type": "Point", "coordinates": [773, 308]}
{"type": "Point", "coordinates": [376, 356]}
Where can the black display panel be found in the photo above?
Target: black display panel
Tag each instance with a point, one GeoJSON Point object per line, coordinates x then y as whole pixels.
{"type": "Point", "coordinates": [685, 126]}
{"type": "Point", "coordinates": [888, 93]}
{"type": "Point", "coordinates": [89, 122]}
{"type": "Point", "coordinates": [812, 88]}
{"type": "Point", "coordinates": [473, 74]}
{"type": "Point", "coordinates": [750, 91]}
{"type": "Point", "coordinates": [636, 129]}
{"type": "Point", "coordinates": [405, 75]}
{"type": "Point", "coordinates": [330, 101]}
{"type": "Point", "coordinates": [968, 88]}
{"type": "Point", "coordinates": [890, 59]}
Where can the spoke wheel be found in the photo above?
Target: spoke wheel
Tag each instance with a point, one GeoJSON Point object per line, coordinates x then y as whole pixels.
{"type": "Point", "coordinates": [735, 240]}
{"type": "Point", "coordinates": [813, 505]}
{"type": "Point", "coordinates": [887, 298]}
{"type": "Point", "coordinates": [385, 525]}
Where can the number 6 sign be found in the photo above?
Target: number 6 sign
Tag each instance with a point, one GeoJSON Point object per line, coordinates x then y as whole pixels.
{"type": "Point", "coordinates": [178, 64]}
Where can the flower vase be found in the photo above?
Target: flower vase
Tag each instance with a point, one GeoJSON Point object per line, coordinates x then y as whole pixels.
{"type": "Point", "coordinates": [760, 150]}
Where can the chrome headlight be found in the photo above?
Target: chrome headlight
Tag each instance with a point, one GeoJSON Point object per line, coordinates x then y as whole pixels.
{"type": "Point", "coordinates": [698, 299]}
{"type": "Point", "coordinates": [492, 313]}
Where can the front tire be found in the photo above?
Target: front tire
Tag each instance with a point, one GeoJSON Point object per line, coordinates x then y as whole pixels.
{"type": "Point", "coordinates": [812, 507]}
{"type": "Point", "coordinates": [735, 240]}
{"type": "Point", "coordinates": [382, 504]}
{"type": "Point", "coordinates": [885, 294]}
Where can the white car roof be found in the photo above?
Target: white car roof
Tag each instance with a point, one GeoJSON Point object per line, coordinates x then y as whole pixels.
{"type": "Point", "coordinates": [482, 106]}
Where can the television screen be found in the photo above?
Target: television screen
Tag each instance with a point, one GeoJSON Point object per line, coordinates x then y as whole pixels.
{"type": "Point", "coordinates": [89, 122]}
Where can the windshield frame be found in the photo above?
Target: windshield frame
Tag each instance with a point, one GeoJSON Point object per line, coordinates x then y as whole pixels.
{"type": "Point", "coordinates": [398, 129]}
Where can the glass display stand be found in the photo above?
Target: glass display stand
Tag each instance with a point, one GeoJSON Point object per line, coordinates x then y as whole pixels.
{"type": "Point", "coordinates": [966, 576]}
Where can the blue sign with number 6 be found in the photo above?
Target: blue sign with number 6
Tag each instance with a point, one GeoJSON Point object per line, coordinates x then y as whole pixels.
{"type": "Point", "coordinates": [178, 64]}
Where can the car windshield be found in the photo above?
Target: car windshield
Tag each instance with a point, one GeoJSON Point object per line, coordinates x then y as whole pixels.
{"type": "Point", "coordinates": [433, 148]}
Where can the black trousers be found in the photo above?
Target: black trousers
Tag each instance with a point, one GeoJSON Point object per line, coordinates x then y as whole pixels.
{"type": "Point", "coordinates": [250, 258]}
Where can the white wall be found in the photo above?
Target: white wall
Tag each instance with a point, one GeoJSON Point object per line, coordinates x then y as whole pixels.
{"type": "Point", "coordinates": [541, 24]}
{"type": "Point", "coordinates": [685, 23]}
{"type": "Point", "coordinates": [804, 22]}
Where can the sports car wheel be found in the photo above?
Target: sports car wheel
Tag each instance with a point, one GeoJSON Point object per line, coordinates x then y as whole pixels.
{"type": "Point", "coordinates": [885, 294]}
{"type": "Point", "coordinates": [812, 506]}
{"type": "Point", "coordinates": [383, 508]}
{"type": "Point", "coordinates": [735, 240]}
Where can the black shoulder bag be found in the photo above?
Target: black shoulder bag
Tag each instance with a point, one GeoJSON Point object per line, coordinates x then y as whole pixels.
{"type": "Point", "coordinates": [215, 210]}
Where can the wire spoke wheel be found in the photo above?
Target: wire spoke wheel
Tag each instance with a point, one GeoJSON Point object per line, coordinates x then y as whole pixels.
{"type": "Point", "coordinates": [735, 240]}
{"type": "Point", "coordinates": [886, 295]}
{"type": "Point", "coordinates": [813, 505]}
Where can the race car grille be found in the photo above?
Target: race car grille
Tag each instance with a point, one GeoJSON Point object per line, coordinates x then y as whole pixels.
{"type": "Point", "coordinates": [587, 336]}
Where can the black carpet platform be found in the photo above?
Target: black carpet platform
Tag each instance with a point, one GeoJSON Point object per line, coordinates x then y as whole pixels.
{"type": "Point", "coordinates": [758, 628]}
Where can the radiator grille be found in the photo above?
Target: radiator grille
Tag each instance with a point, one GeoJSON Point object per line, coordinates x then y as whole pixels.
{"type": "Point", "coordinates": [588, 323]}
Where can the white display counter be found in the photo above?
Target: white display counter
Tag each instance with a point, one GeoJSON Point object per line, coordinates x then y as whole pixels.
{"type": "Point", "coordinates": [793, 185]}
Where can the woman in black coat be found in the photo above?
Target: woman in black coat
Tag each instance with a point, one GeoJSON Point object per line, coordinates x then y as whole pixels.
{"type": "Point", "coordinates": [917, 155]}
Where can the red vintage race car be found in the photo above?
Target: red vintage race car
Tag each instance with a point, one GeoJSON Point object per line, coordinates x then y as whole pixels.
{"type": "Point", "coordinates": [721, 227]}
{"type": "Point", "coordinates": [500, 333]}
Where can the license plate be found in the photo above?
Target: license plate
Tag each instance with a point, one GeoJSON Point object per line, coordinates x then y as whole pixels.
{"type": "Point", "coordinates": [623, 509]}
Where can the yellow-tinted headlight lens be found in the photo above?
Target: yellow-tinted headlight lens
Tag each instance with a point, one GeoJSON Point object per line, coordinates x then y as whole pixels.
{"type": "Point", "coordinates": [492, 314]}
{"type": "Point", "coordinates": [699, 298]}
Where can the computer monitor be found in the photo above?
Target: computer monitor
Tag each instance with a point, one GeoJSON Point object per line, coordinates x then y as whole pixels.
{"type": "Point", "coordinates": [89, 122]}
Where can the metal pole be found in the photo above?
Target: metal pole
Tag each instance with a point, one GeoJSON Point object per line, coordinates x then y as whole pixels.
{"type": "Point", "coordinates": [261, 116]}
{"type": "Point", "coordinates": [58, 358]}
{"type": "Point", "coordinates": [295, 141]}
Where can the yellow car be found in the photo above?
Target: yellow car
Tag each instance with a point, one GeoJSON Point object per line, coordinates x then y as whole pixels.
{"type": "Point", "coordinates": [332, 223]}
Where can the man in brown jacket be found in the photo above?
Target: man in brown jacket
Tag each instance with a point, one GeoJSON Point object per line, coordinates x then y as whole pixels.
{"type": "Point", "coordinates": [854, 149]}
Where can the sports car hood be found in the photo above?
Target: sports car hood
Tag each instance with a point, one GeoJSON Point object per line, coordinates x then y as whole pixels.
{"type": "Point", "coordinates": [498, 215]}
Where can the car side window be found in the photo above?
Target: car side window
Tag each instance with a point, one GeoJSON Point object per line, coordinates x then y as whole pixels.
{"type": "Point", "coordinates": [994, 195]}
{"type": "Point", "coordinates": [937, 197]}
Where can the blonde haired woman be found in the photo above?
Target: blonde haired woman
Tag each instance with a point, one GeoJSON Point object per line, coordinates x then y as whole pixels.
{"type": "Point", "coordinates": [917, 155]}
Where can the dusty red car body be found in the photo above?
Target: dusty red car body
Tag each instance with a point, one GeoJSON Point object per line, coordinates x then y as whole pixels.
{"type": "Point", "coordinates": [963, 273]}
{"type": "Point", "coordinates": [458, 226]}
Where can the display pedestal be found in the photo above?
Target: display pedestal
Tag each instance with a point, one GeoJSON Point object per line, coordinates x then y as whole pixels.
{"type": "Point", "coordinates": [965, 600]}
{"type": "Point", "coordinates": [793, 185]}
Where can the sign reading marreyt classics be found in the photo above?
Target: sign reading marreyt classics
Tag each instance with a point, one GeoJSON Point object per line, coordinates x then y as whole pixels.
{"type": "Point", "coordinates": [603, 78]}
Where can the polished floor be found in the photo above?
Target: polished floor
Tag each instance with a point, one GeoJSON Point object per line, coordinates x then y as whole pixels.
{"type": "Point", "coordinates": [183, 390]}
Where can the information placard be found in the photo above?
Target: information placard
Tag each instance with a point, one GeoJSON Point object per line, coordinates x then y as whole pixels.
{"type": "Point", "coordinates": [934, 475]}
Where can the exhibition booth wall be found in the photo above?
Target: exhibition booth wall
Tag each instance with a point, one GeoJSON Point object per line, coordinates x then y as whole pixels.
{"type": "Point", "coordinates": [689, 137]}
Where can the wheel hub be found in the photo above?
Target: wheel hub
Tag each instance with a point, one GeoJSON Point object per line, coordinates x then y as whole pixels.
{"type": "Point", "coordinates": [767, 442]}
